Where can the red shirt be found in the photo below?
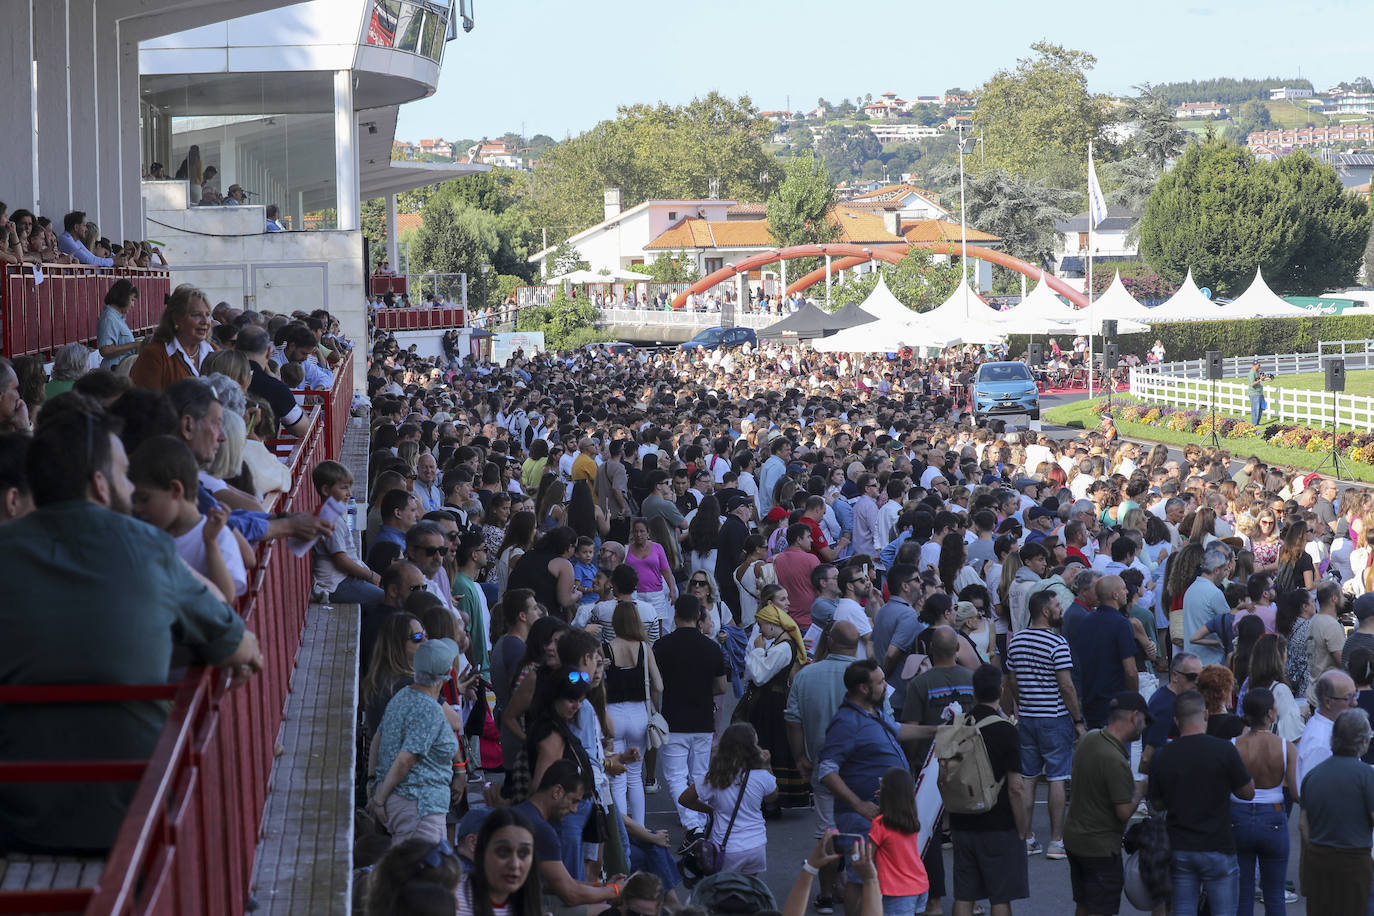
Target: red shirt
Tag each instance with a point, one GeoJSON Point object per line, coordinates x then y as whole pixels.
{"type": "Point", "coordinates": [897, 857]}
{"type": "Point", "coordinates": [793, 567]}
{"type": "Point", "coordinates": [817, 536]}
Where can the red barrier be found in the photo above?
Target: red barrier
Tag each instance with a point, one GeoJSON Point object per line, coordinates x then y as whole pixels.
{"type": "Point", "coordinates": [381, 285]}
{"type": "Point", "coordinates": [65, 308]}
{"type": "Point", "coordinates": [188, 842]}
{"type": "Point", "coordinates": [419, 319]}
{"type": "Point", "coordinates": [335, 402]}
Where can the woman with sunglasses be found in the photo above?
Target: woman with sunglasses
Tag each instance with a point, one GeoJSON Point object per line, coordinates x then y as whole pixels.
{"type": "Point", "coordinates": [715, 613]}
{"type": "Point", "coordinates": [392, 665]}
{"type": "Point", "coordinates": [1264, 543]}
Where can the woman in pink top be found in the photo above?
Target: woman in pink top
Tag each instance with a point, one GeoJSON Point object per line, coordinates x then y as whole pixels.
{"type": "Point", "coordinates": [656, 583]}
{"type": "Point", "coordinates": [896, 849]}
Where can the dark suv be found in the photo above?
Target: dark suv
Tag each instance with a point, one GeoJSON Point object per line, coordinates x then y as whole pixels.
{"type": "Point", "coordinates": [722, 339]}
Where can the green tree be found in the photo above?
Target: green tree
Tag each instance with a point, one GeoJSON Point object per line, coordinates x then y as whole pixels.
{"type": "Point", "coordinates": [1037, 120]}
{"type": "Point", "coordinates": [565, 259]}
{"type": "Point", "coordinates": [1252, 116]}
{"type": "Point", "coordinates": [845, 149]}
{"type": "Point", "coordinates": [652, 152]}
{"type": "Point", "coordinates": [1223, 214]}
{"type": "Point", "coordinates": [799, 211]}
{"type": "Point", "coordinates": [565, 322]}
{"type": "Point", "coordinates": [669, 268]}
{"type": "Point", "coordinates": [1129, 182]}
{"type": "Point", "coordinates": [1158, 138]}
{"type": "Point", "coordinates": [917, 281]}
{"type": "Point", "coordinates": [1021, 213]}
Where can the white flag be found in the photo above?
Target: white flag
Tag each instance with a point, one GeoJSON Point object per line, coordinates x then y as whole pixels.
{"type": "Point", "coordinates": [1097, 203]}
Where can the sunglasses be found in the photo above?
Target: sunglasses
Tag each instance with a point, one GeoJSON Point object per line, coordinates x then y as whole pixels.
{"type": "Point", "coordinates": [575, 676]}
{"type": "Point", "coordinates": [1191, 676]}
{"type": "Point", "coordinates": [417, 588]}
{"type": "Point", "coordinates": [418, 637]}
{"type": "Point", "coordinates": [432, 551]}
{"type": "Point", "coordinates": [702, 582]}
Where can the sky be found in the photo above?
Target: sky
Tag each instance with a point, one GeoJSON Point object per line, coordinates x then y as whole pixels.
{"type": "Point", "coordinates": [560, 66]}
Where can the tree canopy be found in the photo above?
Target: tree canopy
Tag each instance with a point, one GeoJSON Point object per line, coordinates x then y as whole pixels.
{"type": "Point", "coordinates": [1225, 90]}
{"type": "Point", "coordinates": [1223, 214]}
{"type": "Point", "coordinates": [1037, 120]}
{"type": "Point", "coordinates": [1020, 212]}
{"type": "Point", "coordinates": [917, 281]}
{"type": "Point", "coordinates": [653, 151]}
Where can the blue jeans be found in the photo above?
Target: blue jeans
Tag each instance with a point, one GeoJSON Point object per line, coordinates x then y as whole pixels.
{"type": "Point", "coordinates": [904, 906]}
{"type": "Point", "coordinates": [1255, 412]}
{"type": "Point", "coordinates": [1216, 871]}
{"type": "Point", "coordinates": [1261, 832]}
{"type": "Point", "coordinates": [353, 590]}
{"type": "Point", "coordinates": [570, 838]}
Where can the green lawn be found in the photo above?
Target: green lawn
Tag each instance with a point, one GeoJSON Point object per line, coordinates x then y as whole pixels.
{"type": "Point", "coordinates": [1079, 415]}
{"type": "Point", "coordinates": [1361, 383]}
{"type": "Point", "coordinates": [1285, 113]}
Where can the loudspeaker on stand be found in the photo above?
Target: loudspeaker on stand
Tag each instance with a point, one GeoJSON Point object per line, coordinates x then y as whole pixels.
{"type": "Point", "coordinates": [1214, 365]}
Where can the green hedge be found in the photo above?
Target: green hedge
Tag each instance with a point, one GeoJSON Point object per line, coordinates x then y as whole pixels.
{"type": "Point", "coordinates": [1251, 337]}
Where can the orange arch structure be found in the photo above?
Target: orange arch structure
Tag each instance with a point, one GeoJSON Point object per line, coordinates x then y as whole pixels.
{"type": "Point", "coordinates": [845, 255]}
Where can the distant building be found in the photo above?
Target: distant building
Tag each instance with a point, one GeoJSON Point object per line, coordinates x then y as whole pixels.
{"type": "Point", "coordinates": [1361, 103]}
{"type": "Point", "coordinates": [1111, 241]}
{"type": "Point", "coordinates": [1288, 93]}
{"type": "Point", "coordinates": [777, 117]}
{"type": "Point", "coordinates": [894, 133]}
{"type": "Point", "coordinates": [495, 152]}
{"type": "Point", "coordinates": [620, 240]}
{"type": "Point", "coordinates": [436, 147]}
{"type": "Point", "coordinates": [1201, 110]}
{"type": "Point", "coordinates": [907, 201]}
{"type": "Point", "coordinates": [1338, 135]}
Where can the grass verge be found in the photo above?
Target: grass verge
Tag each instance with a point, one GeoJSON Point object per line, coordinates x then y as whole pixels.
{"type": "Point", "coordinates": [1079, 415]}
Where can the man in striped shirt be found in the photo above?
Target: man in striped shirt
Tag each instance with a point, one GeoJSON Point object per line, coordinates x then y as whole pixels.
{"type": "Point", "coordinates": [1040, 682]}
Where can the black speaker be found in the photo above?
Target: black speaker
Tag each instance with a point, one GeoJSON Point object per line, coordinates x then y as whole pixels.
{"type": "Point", "coordinates": [1213, 365]}
{"type": "Point", "coordinates": [1035, 354]}
{"type": "Point", "coordinates": [1111, 356]}
{"type": "Point", "coordinates": [1109, 328]}
{"type": "Point", "coordinates": [1335, 374]}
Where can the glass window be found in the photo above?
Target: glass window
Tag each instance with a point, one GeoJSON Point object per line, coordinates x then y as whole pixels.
{"type": "Point", "coordinates": [409, 26]}
{"type": "Point", "coordinates": [436, 29]}
{"type": "Point", "coordinates": [381, 28]}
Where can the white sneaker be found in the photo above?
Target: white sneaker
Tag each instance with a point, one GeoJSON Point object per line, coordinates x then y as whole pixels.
{"type": "Point", "coordinates": [1033, 847]}
{"type": "Point", "coordinates": [1056, 850]}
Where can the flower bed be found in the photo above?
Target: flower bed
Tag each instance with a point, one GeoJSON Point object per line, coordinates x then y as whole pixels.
{"type": "Point", "coordinates": [1354, 446]}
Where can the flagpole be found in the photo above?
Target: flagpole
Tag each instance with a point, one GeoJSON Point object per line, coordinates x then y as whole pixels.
{"type": "Point", "coordinates": [1090, 270]}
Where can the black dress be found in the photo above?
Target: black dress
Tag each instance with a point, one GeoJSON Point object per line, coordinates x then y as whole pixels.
{"type": "Point", "coordinates": [766, 708]}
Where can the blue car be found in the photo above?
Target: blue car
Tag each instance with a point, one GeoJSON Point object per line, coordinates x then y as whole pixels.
{"type": "Point", "coordinates": [722, 339]}
{"type": "Point", "coordinates": [1002, 389]}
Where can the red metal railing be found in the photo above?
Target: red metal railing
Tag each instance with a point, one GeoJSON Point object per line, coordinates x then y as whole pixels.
{"type": "Point", "coordinates": [335, 402]}
{"type": "Point", "coordinates": [65, 307]}
{"type": "Point", "coordinates": [188, 842]}
{"type": "Point", "coordinates": [419, 319]}
{"type": "Point", "coordinates": [379, 285]}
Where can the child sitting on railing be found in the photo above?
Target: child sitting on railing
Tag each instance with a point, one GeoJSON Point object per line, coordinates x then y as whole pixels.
{"type": "Point", "coordinates": [337, 570]}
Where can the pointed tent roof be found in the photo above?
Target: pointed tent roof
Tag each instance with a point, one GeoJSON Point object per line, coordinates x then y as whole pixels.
{"type": "Point", "coordinates": [886, 335]}
{"type": "Point", "coordinates": [1118, 303]}
{"type": "Point", "coordinates": [811, 321]}
{"type": "Point", "coordinates": [966, 314]}
{"type": "Point", "coordinates": [1188, 304]}
{"type": "Point", "coordinates": [882, 304]}
{"type": "Point", "coordinates": [1040, 312]}
{"type": "Point", "coordinates": [1259, 301]}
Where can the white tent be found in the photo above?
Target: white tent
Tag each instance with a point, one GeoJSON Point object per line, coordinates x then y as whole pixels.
{"type": "Point", "coordinates": [965, 315]}
{"type": "Point", "coordinates": [883, 305]}
{"type": "Point", "coordinates": [1041, 312]}
{"type": "Point", "coordinates": [1259, 301]}
{"type": "Point", "coordinates": [1116, 304]}
{"type": "Point", "coordinates": [886, 335]}
{"type": "Point", "coordinates": [1188, 304]}
{"type": "Point", "coordinates": [582, 276]}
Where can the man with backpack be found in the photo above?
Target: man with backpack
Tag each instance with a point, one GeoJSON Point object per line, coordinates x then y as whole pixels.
{"type": "Point", "coordinates": [989, 842]}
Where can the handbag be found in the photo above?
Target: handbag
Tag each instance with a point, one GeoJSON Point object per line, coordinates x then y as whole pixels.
{"type": "Point", "coordinates": [708, 855]}
{"type": "Point", "coordinates": [656, 731]}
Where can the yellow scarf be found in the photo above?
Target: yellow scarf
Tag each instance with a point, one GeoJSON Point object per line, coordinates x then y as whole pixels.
{"type": "Point", "coordinates": [779, 618]}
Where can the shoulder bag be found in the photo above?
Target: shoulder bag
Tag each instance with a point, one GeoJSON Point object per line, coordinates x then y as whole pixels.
{"type": "Point", "coordinates": [710, 856]}
{"type": "Point", "coordinates": [656, 732]}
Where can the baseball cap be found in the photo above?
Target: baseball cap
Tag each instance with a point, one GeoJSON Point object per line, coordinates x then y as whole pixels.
{"type": "Point", "coordinates": [736, 501]}
{"type": "Point", "coordinates": [1364, 606]}
{"type": "Point", "coordinates": [1129, 699]}
{"type": "Point", "coordinates": [435, 657]}
{"type": "Point", "coordinates": [1035, 512]}
{"type": "Point", "coordinates": [472, 822]}
{"type": "Point", "coordinates": [1023, 482]}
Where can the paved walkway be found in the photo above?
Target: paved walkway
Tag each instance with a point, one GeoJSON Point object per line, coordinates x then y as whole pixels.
{"type": "Point", "coordinates": [304, 859]}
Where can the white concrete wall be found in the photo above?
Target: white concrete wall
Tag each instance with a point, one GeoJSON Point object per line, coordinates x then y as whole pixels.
{"type": "Point", "coordinates": [226, 252]}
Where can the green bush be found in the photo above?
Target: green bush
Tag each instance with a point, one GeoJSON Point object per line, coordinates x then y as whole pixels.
{"type": "Point", "coordinates": [1251, 337]}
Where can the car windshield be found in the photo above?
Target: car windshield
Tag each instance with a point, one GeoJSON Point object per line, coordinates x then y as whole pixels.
{"type": "Point", "coordinates": [711, 335]}
{"type": "Point", "coordinates": [1004, 372]}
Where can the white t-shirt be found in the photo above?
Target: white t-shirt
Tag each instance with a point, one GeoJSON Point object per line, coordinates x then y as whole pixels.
{"type": "Point", "coordinates": [749, 831]}
{"type": "Point", "coordinates": [191, 548]}
{"type": "Point", "coordinates": [852, 611]}
{"type": "Point", "coordinates": [463, 896]}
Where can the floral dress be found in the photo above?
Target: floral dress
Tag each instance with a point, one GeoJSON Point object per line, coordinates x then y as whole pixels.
{"type": "Point", "coordinates": [1266, 554]}
{"type": "Point", "coordinates": [1297, 656]}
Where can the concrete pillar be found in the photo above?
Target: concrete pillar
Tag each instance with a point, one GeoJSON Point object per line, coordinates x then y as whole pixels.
{"type": "Point", "coordinates": [392, 243]}
{"type": "Point", "coordinates": [54, 137]}
{"type": "Point", "coordinates": [130, 210]}
{"type": "Point", "coordinates": [346, 191]}
{"type": "Point", "coordinates": [83, 119]}
{"type": "Point", "coordinates": [19, 174]}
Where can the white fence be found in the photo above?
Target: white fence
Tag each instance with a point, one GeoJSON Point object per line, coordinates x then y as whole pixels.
{"type": "Point", "coordinates": [1358, 354]}
{"type": "Point", "coordinates": [1285, 405]}
{"type": "Point", "coordinates": [653, 318]}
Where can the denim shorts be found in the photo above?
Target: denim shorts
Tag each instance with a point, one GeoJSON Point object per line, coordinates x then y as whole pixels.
{"type": "Point", "coordinates": [1046, 747]}
{"type": "Point", "coordinates": [905, 906]}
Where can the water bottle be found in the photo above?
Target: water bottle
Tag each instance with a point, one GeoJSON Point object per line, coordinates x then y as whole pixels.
{"type": "Point", "coordinates": [352, 514]}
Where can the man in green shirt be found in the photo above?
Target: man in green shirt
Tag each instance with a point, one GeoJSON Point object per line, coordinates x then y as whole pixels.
{"type": "Point", "coordinates": [1254, 381]}
{"type": "Point", "coordinates": [1104, 797]}
{"type": "Point", "coordinates": [468, 598]}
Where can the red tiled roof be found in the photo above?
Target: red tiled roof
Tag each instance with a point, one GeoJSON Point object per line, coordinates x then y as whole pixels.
{"type": "Point", "coordinates": [888, 192]}
{"type": "Point", "coordinates": [406, 222]}
{"type": "Point", "coordinates": [939, 230]}
{"type": "Point", "coordinates": [856, 226]}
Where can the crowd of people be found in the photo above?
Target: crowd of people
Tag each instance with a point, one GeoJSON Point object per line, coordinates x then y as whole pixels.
{"type": "Point", "coordinates": [29, 239]}
{"type": "Point", "coordinates": [769, 584]}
